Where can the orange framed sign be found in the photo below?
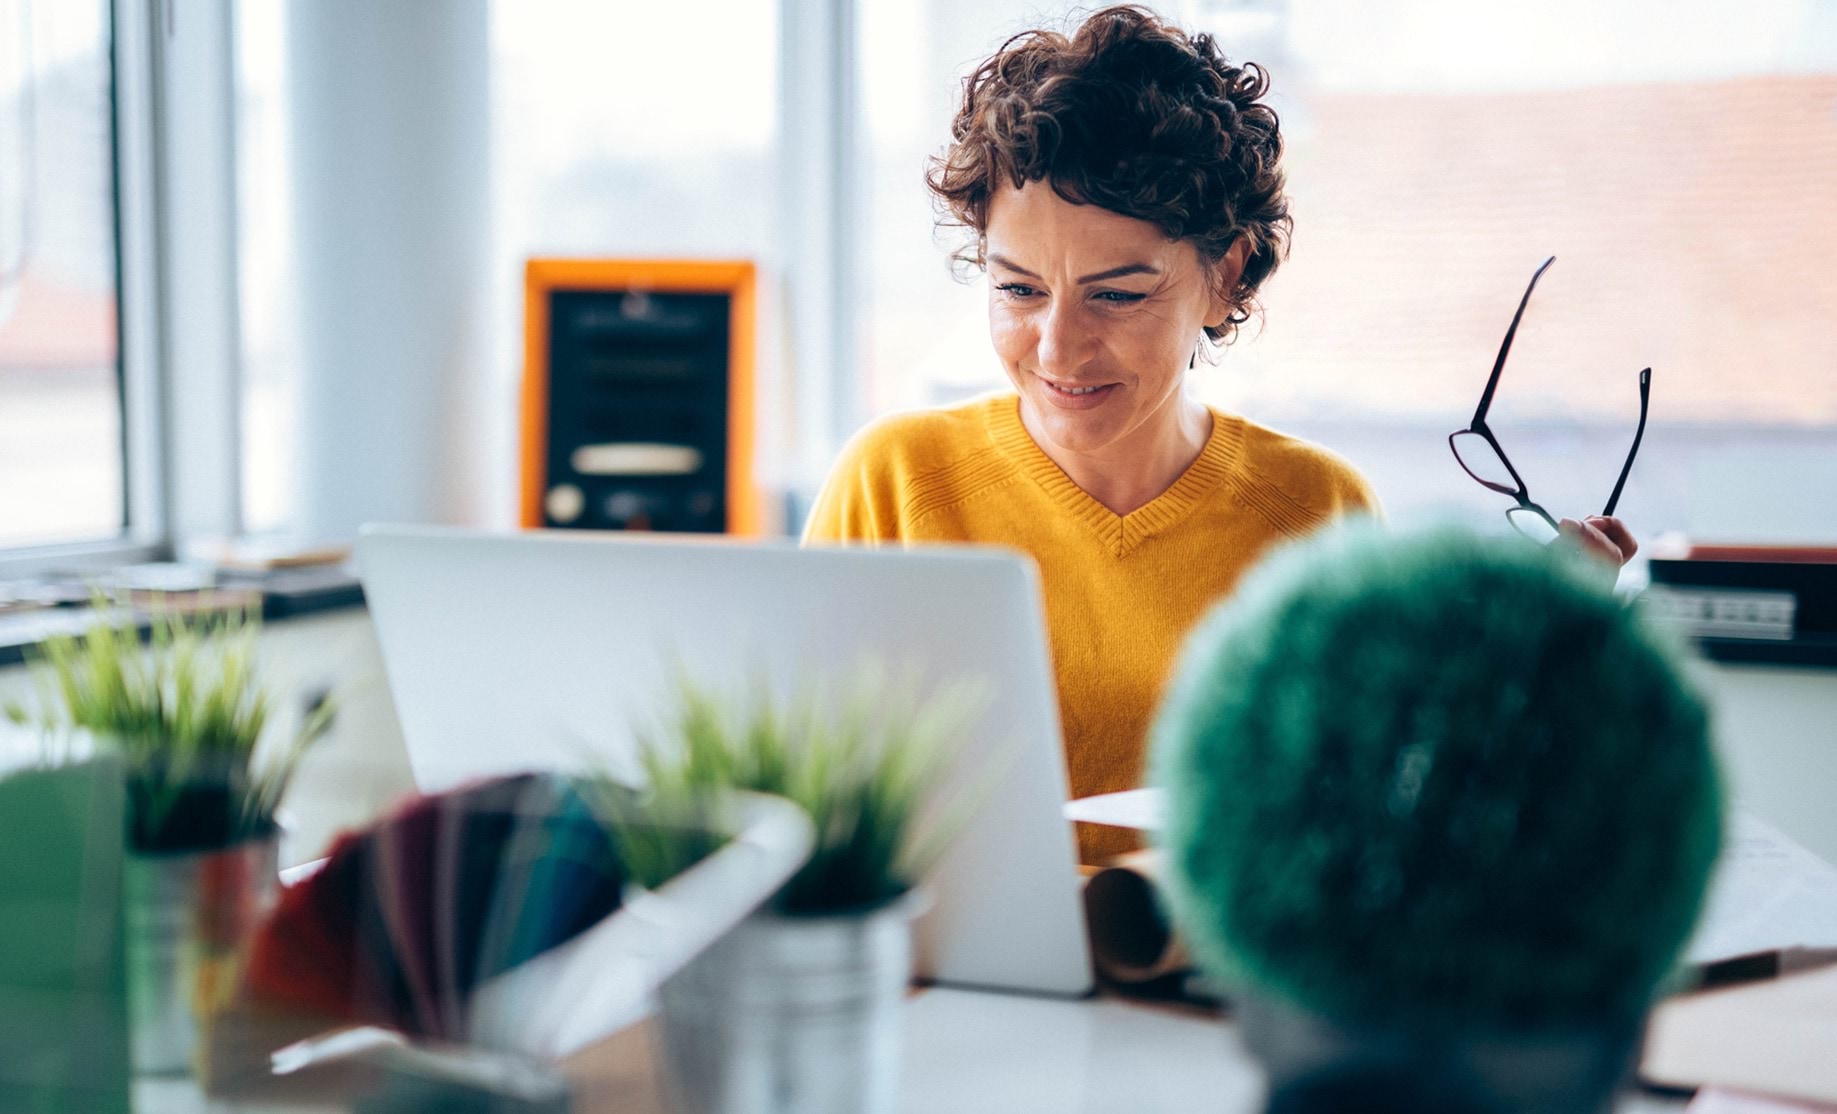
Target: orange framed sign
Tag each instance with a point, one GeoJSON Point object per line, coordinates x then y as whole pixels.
{"type": "Point", "coordinates": [638, 407]}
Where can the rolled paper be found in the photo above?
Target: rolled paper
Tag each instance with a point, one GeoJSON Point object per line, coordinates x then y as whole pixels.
{"type": "Point", "coordinates": [1132, 940]}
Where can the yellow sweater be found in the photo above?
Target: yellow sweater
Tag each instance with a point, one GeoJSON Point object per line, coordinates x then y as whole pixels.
{"type": "Point", "coordinates": [1121, 592]}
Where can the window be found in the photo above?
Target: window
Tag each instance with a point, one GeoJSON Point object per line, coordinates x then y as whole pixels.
{"type": "Point", "coordinates": [925, 335]}
{"type": "Point", "coordinates": [617, 132]}
{"type": "Point", "coordinates": [607, 141]}
{"type": "Point", "coordinates": [603, 143]}
{"type": "Point", "coordinates": [1676, 161]}
{"type": "Point", "coordinates": [1667, 157]}
{"type": "Point", "coordinates": [63, 476]}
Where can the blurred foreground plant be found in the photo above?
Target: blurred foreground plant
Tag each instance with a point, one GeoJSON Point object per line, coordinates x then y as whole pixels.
{"type": "Point", "coordinates": [187, 712]}
{"type": "Point", "coordinates": [869, 766]}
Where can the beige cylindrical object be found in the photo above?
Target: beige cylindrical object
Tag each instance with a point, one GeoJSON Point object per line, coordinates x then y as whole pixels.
{"type": "Point", "coordinates": [1131, 938]}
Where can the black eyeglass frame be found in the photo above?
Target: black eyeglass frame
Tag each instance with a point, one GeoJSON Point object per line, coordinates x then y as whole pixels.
{"type": "Point", "coordinates": [1520, 493]}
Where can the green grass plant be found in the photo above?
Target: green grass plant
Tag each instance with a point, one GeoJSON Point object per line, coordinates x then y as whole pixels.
{"type": "Point", "coordinates": [868, 765]}
{"type": "Point", "coordinates": [188, 713]}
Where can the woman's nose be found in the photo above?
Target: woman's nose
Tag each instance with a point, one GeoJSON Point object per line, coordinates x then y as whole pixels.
{"type": "Point", "coordinates": [1064, 344]}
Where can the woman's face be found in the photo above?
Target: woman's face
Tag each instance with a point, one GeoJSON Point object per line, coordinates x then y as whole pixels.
{"type": "Point", "coordinates": [1095, 316]}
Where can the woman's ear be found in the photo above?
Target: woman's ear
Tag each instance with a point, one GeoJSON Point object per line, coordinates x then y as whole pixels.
{"type": "Point", "coordinates": [1225, 275]}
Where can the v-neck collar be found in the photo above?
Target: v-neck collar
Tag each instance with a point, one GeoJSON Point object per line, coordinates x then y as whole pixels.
{"type": "Point", "coordinates": [1121, 532]}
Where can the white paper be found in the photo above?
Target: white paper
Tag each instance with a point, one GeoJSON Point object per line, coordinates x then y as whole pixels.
{"type": "Point", "coordinates": [1771, 1036]}
{"type": "Point", "coordinates": [1768, 894]}
{"type": "Point", "coordinates": [1141, 809]}
{"type": "Point", "coordinates": [1711, 1100]}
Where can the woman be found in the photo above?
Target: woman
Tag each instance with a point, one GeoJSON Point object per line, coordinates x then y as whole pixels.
{"type": "Point", "coordinates": [1125, 192]}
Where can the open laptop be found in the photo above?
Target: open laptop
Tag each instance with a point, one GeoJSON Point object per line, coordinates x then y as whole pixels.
{"type": "Point", "coordinates": [510, 652]}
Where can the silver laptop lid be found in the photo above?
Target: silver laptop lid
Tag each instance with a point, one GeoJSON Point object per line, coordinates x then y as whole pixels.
{"type": "Point", "coordinates": [510, 652]}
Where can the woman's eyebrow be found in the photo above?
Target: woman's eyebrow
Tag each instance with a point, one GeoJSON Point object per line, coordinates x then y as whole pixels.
{"type": "Point", "coordinates": [1114, 272]}
{"type": "Point", "coordinates": [1119, 272]}
{"type": "Point", "coordinates": [1012, 266]}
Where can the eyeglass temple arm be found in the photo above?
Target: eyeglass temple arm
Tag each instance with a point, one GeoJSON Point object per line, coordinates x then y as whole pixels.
{"type": "Point", "coordinates": [1645, 394]}
{"type": "Point", "coordinates": [1492, 383]}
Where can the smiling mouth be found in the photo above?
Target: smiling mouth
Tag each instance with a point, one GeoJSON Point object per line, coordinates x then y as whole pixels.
{"type": "Point", "coordinates": [1074, 392]}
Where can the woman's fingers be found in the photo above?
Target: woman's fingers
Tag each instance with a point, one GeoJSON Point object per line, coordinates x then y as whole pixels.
{"type": "Point", "coordinates": [1616, 532]}
{"type": "Point", "coordinates": [1592, 540]}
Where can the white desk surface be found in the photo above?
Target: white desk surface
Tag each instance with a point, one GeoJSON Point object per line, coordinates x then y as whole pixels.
{"type": "Point", "coordinates": [968, 1052]}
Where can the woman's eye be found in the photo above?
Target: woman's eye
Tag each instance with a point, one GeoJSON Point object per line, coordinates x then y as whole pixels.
{"type": "Point", "coordinates": [1119, 297]}
{"type": "Point", "coordinates": [1017, 290]}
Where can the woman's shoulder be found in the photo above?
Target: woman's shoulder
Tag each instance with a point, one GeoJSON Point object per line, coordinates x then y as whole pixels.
{"type": "Point", "coordinates": [1310, 476]}
{"type": "Point", "coordinates": [924, 441]}
{"type": "Point", "coordinates": [914, 458]}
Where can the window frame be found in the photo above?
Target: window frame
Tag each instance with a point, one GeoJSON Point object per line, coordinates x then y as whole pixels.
{"type": "Point", "coordinates": [143, 534]}
{"type": "Point", "coordinates": [171, 90]}
{"type": "Point", "coordinates": [822, 205]}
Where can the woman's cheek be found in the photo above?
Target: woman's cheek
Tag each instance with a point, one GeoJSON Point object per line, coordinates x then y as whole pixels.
{"type": "Point", "coordinates": [1177, 339]}
{"type": "Point", "coordinates": [1140, 342]}
{"type": "Point", "coordinates": [1008, 333]}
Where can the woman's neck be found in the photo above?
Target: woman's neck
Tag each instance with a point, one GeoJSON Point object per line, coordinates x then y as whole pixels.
{"type": "Point", "coordinates": [1134, 470]}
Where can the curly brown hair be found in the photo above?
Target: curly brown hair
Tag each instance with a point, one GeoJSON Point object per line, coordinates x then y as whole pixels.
{"type": "Point", "coordinates": [1133, 115]}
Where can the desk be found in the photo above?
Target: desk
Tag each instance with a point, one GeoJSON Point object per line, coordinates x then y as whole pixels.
{"type": "Point", "coordinates": [969, 1053]}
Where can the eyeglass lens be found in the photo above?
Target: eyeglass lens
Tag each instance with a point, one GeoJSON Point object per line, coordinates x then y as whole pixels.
{"type": "Point", "coordinates": [1482, 462]}
{"type": "Point", "coordinates": [1532, 525]}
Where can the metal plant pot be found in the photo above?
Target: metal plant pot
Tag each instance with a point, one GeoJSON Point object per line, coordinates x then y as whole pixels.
{"type": "Point", "coordinates": [1317, 1064]}
{"type": "Point", "coordinates": [188, 917]}
{"type": "Point", "coordinates": [791, 1015]}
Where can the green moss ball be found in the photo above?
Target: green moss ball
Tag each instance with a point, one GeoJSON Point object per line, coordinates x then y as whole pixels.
{"type": "Point", "coordinates": [1437, 779]}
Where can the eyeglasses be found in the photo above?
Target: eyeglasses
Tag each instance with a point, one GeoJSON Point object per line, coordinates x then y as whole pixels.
{"type": "Point", "coordinates": [1478, 452]}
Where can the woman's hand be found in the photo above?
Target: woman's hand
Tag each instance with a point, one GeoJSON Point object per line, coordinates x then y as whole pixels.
{"type": "Point", "coordinates": [1599, 536]}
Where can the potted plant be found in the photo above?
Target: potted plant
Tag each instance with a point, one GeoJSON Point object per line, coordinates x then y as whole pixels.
{"type": "Point", "coordinates": [189, 717]}
{"type": "Point", "coordinates": [798, 1008]}
{"type": "Point", "coordinates": [1441, 814]}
